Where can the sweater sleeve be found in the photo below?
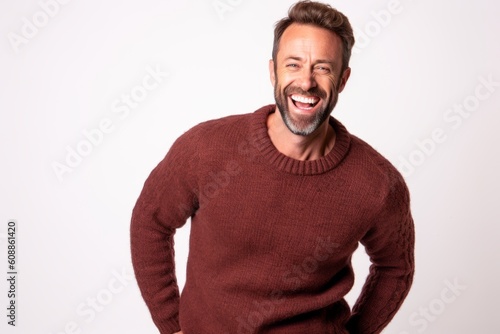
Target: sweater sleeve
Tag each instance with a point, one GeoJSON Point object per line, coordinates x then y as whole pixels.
{"type": "Point", "coordinates": [390, 245]}
{"type": "Point", "coordinates": [167, 200]}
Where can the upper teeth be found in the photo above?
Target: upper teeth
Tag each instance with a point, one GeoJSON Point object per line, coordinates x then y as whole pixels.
{"type": "Point", "coordinates": [304, 99]}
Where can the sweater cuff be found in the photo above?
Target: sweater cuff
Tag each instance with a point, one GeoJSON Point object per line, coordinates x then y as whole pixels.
{"type": "Point", "coordinates": [169, 327]}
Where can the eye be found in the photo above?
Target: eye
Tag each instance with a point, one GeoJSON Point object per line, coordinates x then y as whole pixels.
{"type": "Point", "coordinates": [322, 69]}
{"type": "Point", "coordinates": [292, 65]}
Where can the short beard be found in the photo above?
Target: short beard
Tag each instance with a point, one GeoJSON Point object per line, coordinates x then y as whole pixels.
{"type": "Point", "coordinates": [306, 125]}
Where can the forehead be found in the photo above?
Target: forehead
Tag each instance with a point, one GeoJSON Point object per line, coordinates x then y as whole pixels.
{"type": "Point", "coordinates": [315, 42]}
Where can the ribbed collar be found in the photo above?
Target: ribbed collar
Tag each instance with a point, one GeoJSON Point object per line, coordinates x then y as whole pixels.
{"type": "Point", "coordinates": [263, 143]}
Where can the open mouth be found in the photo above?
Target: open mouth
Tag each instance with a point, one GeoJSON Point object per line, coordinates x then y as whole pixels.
{"type": "Point", "coordinates": [306, 103]}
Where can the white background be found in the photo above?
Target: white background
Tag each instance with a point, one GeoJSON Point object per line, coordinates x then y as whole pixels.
{"type": "Point", "coordinates": [408, 70]}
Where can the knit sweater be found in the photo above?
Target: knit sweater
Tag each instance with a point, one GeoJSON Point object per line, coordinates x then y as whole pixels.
{"type": "Point", "coordinates": [271, 237]}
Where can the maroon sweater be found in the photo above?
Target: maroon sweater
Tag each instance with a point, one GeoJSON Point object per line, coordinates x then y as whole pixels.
{"type": "Point", "coordinates": [271, 237]}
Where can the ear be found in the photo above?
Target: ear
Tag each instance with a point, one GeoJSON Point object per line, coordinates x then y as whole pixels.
{"type": "Point", "coordinates": [344, 78]}
{"type": "Point", "coordinates": [272, 74]}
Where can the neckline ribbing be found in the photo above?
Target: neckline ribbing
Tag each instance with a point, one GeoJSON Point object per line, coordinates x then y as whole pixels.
{"type": "Point", "coordinates": [263, 143]}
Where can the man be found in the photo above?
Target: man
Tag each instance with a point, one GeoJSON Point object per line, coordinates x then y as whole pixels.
{"type": "Point", "coordinates": [279, 200]}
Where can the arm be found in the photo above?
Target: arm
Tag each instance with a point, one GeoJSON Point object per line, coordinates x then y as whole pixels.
{"type": "Point", "coordinates": [165, 203]}
{"type": "Point", "coordinates": [390, 246]}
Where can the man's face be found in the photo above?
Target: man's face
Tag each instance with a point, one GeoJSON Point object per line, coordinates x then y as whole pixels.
{"type": "Point", "coordinates": [307, 76]}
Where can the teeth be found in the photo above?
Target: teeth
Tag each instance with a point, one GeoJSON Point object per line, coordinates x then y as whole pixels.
{"type": "Point", "coordinates": [303, 99]}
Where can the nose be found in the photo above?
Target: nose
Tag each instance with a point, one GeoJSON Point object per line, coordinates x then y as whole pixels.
{"type": "Point", "coordinates": [306, 79]}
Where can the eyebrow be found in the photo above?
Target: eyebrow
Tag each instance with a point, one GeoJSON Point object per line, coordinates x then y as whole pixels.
{"type": "Point", "coordinates": [318, 61]}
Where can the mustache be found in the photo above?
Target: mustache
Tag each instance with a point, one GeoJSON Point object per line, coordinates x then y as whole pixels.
{"type": "Point", "coordinates": [315, 91]}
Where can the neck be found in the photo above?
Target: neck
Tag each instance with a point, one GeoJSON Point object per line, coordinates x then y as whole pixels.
{"type": "Point", "coordinates": [311, 147]}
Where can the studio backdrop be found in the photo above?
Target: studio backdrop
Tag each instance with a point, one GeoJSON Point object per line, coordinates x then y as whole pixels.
{"type": "Point", "coordinates": [93, 94]}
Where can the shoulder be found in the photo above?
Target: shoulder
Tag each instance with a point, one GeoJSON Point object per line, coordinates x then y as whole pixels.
{"type": "Point", "coordinates": [374, 171]}
{"type": "Point", "coordinates": [226, 131]}
{"type": "Point", "coordinates": [217, 140]}
{"type": "Point", "coordinates": [382, 185]}
{"type": "Point", "coordinates": [375, 162]}
{"type": "Point", "coordinates": [224, 126]}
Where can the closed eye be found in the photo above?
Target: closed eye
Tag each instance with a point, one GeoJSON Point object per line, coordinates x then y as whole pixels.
{"type": "Point", "coordinates": [323, 69]}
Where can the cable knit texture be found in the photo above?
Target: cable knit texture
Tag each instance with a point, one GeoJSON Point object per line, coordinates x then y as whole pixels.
{"type": "Point", "coordinates": [271, 237]}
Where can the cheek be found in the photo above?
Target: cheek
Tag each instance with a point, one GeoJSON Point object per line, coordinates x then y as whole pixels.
{"type": "Point", "coordinates": [328, 85]}
{"type": "Point", "coordinates": [282, 77]}
{"type": "Point", "coordinates": [333, 84]}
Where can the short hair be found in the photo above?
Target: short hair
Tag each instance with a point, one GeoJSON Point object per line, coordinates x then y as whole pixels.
{"type": "Point", "coordinates": [320, 15]}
